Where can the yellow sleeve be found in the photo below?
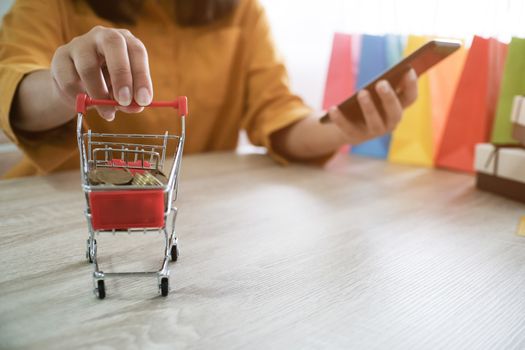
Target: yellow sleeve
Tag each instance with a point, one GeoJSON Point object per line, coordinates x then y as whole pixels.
{"type": "Point", "coordinates": [29, 36]}
{"type": "Point", "coordinates": [270, 104]}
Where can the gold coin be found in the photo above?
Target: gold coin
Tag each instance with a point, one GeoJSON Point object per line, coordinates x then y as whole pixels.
{"type": "Point", "coordinates": [93, 178]}
{"type": "Point", "coordinates": [161, 177]}
{"type": "Point", "coordinates": [152, 179]}
{"type": "Point", "coordinates": [114, 176]}
{"type": "Point", "coordinates": [145, 179]}
{"type": "Point", "coordinates": [137, 180]}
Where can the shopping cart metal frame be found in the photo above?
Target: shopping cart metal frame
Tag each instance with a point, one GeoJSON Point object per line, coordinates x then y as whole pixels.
{"type": "Point", "coordinates": [145, 156]}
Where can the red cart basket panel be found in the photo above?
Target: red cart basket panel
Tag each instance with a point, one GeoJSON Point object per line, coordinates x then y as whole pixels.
{"type": "Point", "coordinates": [127, 209]}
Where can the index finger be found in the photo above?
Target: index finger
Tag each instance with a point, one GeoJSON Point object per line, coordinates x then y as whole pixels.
{"type": "Point", "coordinates": [138, 58]}
{"type": "Point", "coordinates": [112, 46]}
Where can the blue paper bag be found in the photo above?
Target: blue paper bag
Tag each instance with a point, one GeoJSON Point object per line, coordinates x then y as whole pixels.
{"type": "Point", "coordinates": [378, 53]}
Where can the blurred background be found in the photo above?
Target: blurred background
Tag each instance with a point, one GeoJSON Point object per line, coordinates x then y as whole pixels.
{"type": "Point", "coordinates": [304, 32]}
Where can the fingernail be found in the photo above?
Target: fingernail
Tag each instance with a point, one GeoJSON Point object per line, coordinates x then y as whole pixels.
{"type": "Point", "coordinates": [363, 96]}
{"type": "Point", "coordinates": [124, 96]}
{"type": "Point", "coordinates": [412, 75]}
{"type": "Point", "coordinates": [109, 116]}
{"type": "Point", "coordinates": [382, 86]}
{"type": "Point", "coordinates": [143, 97]}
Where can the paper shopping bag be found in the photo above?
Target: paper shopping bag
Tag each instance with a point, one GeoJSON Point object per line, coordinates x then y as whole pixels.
{"type": "Point", "coordinates": [340, 80]}
{"type": "Point", "coordinates": [512, 84]}
{"type": "Point", "coordinates": [412, 140]}
{"type": "Point", "coordinates": [472, 110]}
{"type": "Point", "coordinates": [372, 62]}
{"type": "Point", "coordinates": [443, 80]}
{"type": "Point", "coordinates": [395, 45]}
{"type": "Point", "coordinates": [518, 119]}
{"type": "Point", "coordinates": [341, 76]}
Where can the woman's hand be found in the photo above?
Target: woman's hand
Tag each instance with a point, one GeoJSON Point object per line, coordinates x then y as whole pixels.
{"type": "Point", "coordinates": [376, 124]}
{"type": "Point", "coordinates": [104, 63]}
{"type": "Point", "coordinates": [309, 138]}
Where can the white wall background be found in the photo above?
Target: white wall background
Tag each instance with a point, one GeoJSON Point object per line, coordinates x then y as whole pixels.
{"type": "Point", "coordinates": [303, 29]}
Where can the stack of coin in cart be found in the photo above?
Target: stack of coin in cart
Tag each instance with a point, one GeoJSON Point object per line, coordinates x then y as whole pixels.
{"type": "Point", "coordinates": [123, 176]}
{"type": "Point", "coordinates": [160, 176]}
{"type": "Point", "coordinates": [146, 179]}
{"type": "Point", "coordinates": [110, 176]}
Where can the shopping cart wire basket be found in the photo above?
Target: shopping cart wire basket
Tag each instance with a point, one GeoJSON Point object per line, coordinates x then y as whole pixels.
{"type": "Point", "coordinates": [131, 207]}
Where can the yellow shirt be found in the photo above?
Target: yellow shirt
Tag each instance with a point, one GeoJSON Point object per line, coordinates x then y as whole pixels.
{"type": "Point", "coordinates": [230, 71]}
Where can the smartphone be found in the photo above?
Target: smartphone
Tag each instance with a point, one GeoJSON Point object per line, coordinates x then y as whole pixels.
{"type": "Point", "coordinates": [420, 60]}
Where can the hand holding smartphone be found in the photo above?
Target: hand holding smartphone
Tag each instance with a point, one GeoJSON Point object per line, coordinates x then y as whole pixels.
{"type": "Point", "coordinates": [420, 60]}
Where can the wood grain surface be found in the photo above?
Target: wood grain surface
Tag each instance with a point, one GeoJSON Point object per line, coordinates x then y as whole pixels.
{"type": "Point", "coordinates": [363, 254]}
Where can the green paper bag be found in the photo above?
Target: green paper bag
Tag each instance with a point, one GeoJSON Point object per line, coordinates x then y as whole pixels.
{"type": "Point", "coordinates": [513, 83]}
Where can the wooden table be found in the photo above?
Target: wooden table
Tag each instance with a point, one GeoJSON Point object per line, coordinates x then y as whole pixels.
{"type": "Point", "coordinates": [363, 254]}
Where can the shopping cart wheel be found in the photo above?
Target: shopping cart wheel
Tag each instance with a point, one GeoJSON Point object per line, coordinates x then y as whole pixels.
{"type": "Point", "coordinates": [101, 289]}
{"type": "Point", "coordinates": [164, 286]}
{"type": "Point", "coordinates": [174, 252]}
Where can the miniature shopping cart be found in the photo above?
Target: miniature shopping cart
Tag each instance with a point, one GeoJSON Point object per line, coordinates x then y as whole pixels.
{"type": "Point", "coordinates": [131, 208]}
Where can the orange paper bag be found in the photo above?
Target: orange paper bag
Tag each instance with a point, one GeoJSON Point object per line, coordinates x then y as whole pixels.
{"type": "Point", "coordinates": [443, 79]}
{"type": "Point", "coordinates": [472, 110]}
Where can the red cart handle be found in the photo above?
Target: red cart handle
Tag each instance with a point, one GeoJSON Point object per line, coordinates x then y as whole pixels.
{"type": "Point", "coordinates": [84, 101]}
